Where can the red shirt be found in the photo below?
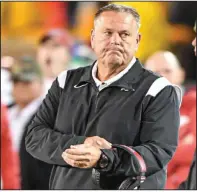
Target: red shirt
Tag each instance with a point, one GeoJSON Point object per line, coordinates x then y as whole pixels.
{"type": "Point", "coordinates": [9, 159]}
{"type": "Point", "coordinates": [179, 166]}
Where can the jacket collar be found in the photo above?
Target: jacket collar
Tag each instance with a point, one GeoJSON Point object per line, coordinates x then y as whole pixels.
{"type": "Point", "coordinates": [124, 82]}
{"type": "Point", "coordinates": [114, 78]}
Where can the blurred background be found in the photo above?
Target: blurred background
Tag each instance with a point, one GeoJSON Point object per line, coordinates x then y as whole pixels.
{"type": "Point", "coordinates": [39, 40]}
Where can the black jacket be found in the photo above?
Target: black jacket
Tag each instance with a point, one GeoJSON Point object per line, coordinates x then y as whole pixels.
{"type": "Point", "coordinates": [140, 110]}
{"type": "Point", "coordinates": [35, 174]}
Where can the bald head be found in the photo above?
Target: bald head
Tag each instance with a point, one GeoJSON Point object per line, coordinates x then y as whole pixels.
{"type": "Point", "coordinates": [167, 65]}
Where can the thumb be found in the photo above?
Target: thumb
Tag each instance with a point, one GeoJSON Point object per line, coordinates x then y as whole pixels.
{"type": "Point", "coordinates": [99, 142]}
{"type": "Point", "coordinates": [104, 143]}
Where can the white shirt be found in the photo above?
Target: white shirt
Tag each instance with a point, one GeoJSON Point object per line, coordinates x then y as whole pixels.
{"type": "Point", "coordinates": [6, 87]}
{"type": "Point", "coordinates": [106, 83]}
{"type": "Point", "coordinates": [47, 84]}
{"type": "Point", "coordinates": [18, 119]}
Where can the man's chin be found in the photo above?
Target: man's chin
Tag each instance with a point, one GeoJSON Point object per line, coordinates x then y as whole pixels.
{"type": "Point", "coordinates": [114, 60]}
{"type": "Point", "coordinates": [114, 63]}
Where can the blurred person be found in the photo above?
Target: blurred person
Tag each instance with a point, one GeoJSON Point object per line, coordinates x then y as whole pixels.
{"type": "Point", "coordinates": [190, 182]}
{"type": "Point", "coordinates": [10, 178]}
{"type": "Point", "coordinates": [55, 40]}
{"type": "Point", "coordinates": [166, 64]}
{"type": "Point", "coordinates": [6, 84]}
{"type": "Point", "coordinates": [58, 51]}
{"type": "Point", "coordinates": [53, 54]}
{"type": "Point", "coordinates": [28, 95]}
{"type": "Point", "coordinates": [115, 100]}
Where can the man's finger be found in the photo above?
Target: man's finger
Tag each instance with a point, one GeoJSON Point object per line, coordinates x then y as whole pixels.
{"type": "Point", "coordinates": [68, 161]}
{"type": "Point", "coordinates": [104, 144]}
{"type": "Point", "coordinates": [76, 157]}
{"type": "Point", "coordinates": [80, 146]}
{"type": "Point", "coordinates": [73, 163]}
{"type": "Point", "coordinates": [77, 151]}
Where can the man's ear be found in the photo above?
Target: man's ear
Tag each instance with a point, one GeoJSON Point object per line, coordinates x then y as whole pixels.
{"type": "Point", "coordinates": [92, 38]}
{"type": "Point", "coordinates": [138, 39]}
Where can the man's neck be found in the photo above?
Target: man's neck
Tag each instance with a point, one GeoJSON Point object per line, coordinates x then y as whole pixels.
{"type": "Point", "coordinates": [104, 73]}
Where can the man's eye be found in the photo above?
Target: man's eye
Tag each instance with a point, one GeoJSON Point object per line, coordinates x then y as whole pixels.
{"type": "Point", "coordinates": [124, 35]}
{"type": "Point", "coordinates": [108, 33]}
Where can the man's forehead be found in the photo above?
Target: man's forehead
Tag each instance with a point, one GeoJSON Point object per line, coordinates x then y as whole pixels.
{"type": "Point", "coordinates": [111, 18]}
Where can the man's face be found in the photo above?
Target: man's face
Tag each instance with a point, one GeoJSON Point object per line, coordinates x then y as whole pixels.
{"type": "Point", "coordinates": [52, 58]}
{"type": "Point", "coordinates": [25, 92]}
{"type": "Point", "coordinates": [115, 38]}
{"type": "Point", "coordinates": [194, 44]}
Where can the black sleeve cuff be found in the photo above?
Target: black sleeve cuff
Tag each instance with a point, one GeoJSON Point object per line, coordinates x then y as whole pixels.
{"type": "Point", "coordinates": [109, 153]}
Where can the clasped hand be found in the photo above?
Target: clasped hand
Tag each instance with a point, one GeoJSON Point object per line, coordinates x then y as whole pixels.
{"type": "Point", "coordinates": [86, 155]}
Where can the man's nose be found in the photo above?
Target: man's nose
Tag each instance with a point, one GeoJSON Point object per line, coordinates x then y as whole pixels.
{"type": "Point", "coordinates": [115, 39]}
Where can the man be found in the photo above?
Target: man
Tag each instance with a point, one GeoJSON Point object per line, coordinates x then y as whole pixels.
{"type": "Point", "coordinates": [28, 95]}
{"type": "Point", "coordinates": [115, 101]}
{"type": "Point", "coordinates": [170, 68]}
{"type": "Point", "coordinates": [53, 54]}
{"type": "Point", "coordinates": [190, 183]}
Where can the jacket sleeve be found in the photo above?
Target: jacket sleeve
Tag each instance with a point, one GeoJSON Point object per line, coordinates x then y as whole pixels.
{"type": "Point", "coordinates": [42, 140]}
{"type": "Point", "coordinates": [158, 136]}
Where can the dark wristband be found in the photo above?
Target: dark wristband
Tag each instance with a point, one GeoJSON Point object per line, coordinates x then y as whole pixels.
{"type": "Point", "coordinates": [102, 162]}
